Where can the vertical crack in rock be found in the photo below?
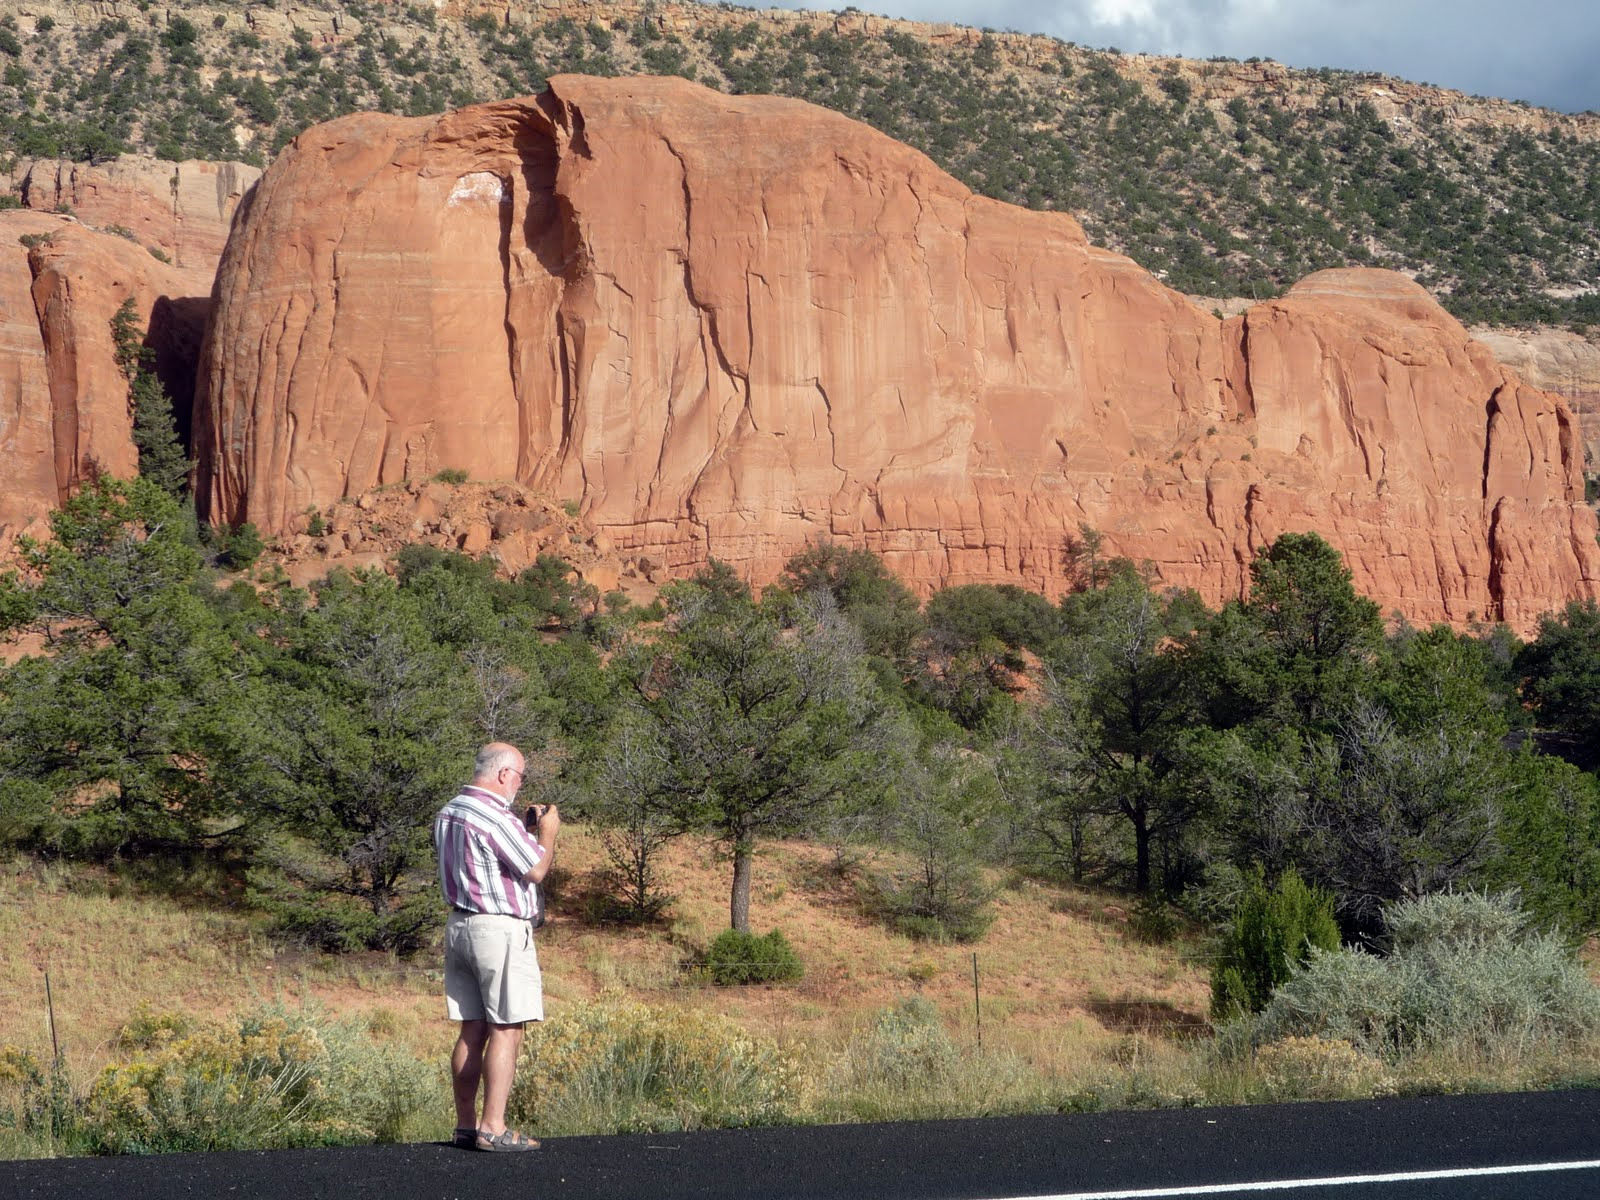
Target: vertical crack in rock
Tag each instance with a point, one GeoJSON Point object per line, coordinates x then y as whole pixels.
{"type": "Point", "coordinates": [1245, 400]}
{"type": "Point", "coordinates": [1496, 580]}
{"type": "Point", "coordinates": [173, 186]}
{"type": "Point", "coordinates": [707, 311]}
{"type": "Point", "coordinates": [569, 399]}
{"type": "Point", "coordinates": [711, 339]}
{"type": "Point", "coordinates": [1252, 532]}
{"type": "Point", "coordinates": [508, 209]}
{"type": "Point", "coordinates": [924, 258]}
{"type": "Point", "coordinates": [833, 437]}
{"type": "Point", "coordinates": [750, 323]}
{"type": "Point", "coordinates": [227, 184]}
{"type": "Point", "coordinates": [1490, 430]}
{"type": "Point", "coordinates": [551, 237]}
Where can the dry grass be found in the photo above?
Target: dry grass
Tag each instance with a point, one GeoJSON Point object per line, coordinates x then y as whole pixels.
{"type": "Point", "coordinates": [1061, 981]}
{"type": "Point", "coordinates": [109, 951]}
{"type": "Point", "coordinates": [1076, 1012]}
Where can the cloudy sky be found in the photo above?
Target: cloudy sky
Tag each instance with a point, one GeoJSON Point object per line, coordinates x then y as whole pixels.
{"type": "Point", "coordinates": [1543, 51]}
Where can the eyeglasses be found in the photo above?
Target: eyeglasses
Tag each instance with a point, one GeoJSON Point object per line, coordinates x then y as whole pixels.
{"type": "Point", "coordinates": [519, 773]}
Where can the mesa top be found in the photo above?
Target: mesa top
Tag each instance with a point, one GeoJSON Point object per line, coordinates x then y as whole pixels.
{"type": "Point", "coordinates": [484, 851]}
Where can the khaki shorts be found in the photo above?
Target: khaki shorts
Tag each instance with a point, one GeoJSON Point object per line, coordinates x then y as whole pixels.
{"type": "Point", "coordinates": [491, 971]}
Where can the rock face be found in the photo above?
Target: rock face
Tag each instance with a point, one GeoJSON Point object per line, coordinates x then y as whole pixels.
{"type": "Point", "coordinates": [63, 400]}
{"type": "Point", "coordinates": [1560, 362]}
{"type": "Point", "coordinates": [728, 325]}
{"type": "Point", "coordinates": [182, 209]}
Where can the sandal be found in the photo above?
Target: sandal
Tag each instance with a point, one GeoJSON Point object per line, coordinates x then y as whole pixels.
{"type": "Point", "coordinates": [465, 1138]}
{"type": "Point", "coordinates": [508, 1139]}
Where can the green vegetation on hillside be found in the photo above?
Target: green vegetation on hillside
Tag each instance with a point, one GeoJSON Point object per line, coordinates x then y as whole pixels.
{"type": "Point", "coordinates": [290, 748]}
{"type": "Point", "coordinates": [1233, 192]}
{"type": "Point", "coordinates": [1124, 736]}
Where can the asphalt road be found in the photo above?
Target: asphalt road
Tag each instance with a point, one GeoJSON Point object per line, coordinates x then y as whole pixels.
{"type": "Point", "coordinates": [1483, 1144]}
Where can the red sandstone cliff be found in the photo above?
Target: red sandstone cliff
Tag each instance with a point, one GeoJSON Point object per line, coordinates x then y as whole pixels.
{"type": "Point", "coordinates": [63, 400]}
{"type": "Point", "coordinates": [728, 325]}
{"type": "Point", "coordinates": [182, 209]}
{"type": "Point", "coordinates": [1558, 361]}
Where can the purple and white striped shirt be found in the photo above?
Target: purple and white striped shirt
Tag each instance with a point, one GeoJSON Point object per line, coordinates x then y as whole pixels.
{"type": "Point", "coordinates": [484, 852]}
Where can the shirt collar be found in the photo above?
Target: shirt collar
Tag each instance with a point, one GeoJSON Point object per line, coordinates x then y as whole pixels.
{"type": "Point", "coordinates": [485, 792]}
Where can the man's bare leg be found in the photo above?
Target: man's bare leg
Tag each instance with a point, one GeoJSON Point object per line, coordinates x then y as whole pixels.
{"type": "Point", "coordinates": [466, 1069]}
{"type": "Point", "coordinates": [499, 1066]}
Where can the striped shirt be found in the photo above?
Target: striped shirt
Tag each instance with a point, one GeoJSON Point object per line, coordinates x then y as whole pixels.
{"type": "Point", "coordinates": [484, 852]}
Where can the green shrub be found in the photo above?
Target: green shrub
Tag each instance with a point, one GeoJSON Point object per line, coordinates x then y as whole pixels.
{"type": "Point", "coordinates": [937, 892]}
{"type": "Point", "coordinates": [904, 1049]}
{"type": "Point", "coordinates": [1464, 974]}
{"type": "Point", "coordinates": [340, 925]}
{"type": "Point", "coordinates": [147, 1028]}
{"type": "Point", "coordinates": [270, 1079]}
{"type": "Point", "coordinates": [903, 1065]}
{"type": "Point", "coordinates": [614, 1065]}
{"type": "Point", "coordinates": [454, 475]}
{"type": "Point", "coordinates": [1153, 920]}
{"type": "Point", "coordinates": [1274, 932]}
{"type": "Point", "coordinates": [417, 558]}
{"type": "Point", "coordinates": [239, 547]}
{"type": "Point", "coordinates": [737, 957]}
{"type": "Point", "coordinates": [958, 910]}
{"type": "Point", "coordinates": [37, 1106]}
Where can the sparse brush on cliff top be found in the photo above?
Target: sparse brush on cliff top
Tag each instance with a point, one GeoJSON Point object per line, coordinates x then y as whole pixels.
{"type": "Point", "coordinates": [1226, 179]}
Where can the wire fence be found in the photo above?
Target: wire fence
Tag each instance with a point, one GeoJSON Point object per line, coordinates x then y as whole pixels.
{"type": "Point", "coordinates": [961, 983]}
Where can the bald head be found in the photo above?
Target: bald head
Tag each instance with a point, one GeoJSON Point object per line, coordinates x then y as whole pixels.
{"type": "Point", "coordinates": [498, 767]}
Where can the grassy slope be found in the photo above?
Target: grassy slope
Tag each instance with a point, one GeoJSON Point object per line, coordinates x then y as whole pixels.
{"type": "Point", "coordinates": [1076, 1013]}
{"type": "Point", "coordinates": [1060, 976]}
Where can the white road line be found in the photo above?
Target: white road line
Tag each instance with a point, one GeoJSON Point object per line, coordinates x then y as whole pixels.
{"type": "Point", "coordinates": [1279, 1185]}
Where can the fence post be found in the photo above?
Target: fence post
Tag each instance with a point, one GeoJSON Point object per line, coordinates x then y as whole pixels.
{"type": "Point", "coordinates": [50, 1007]}
{"type": "Point", "coordinates": [977, 1007]}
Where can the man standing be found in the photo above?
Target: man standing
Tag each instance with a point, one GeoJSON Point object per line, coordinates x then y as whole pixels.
{"type": "Point", "coordinates": [488, 864]}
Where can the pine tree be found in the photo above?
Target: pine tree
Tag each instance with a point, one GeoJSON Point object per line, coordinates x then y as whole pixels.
{"type": "Point", "coordinates": [1274, 933]}
{"type": "Point", "coordinates": [155, 431]}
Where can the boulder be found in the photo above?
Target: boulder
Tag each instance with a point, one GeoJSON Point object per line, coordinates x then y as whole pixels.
{"type": "Point", "coordinates": [731, 325]}
{"type": "Point", "coordinates": [509, 521]}
{"type": "Point", "coordinates": [476, 537]}
{"type": "Point", "coordinates": [602, 576]}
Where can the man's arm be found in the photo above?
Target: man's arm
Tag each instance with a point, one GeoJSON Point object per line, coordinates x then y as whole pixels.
{"type": "Point", "coordinates": [545, 822]}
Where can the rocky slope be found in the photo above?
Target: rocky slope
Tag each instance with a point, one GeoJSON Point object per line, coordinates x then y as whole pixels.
{"type": "Point", "coordinates": [724, 326]}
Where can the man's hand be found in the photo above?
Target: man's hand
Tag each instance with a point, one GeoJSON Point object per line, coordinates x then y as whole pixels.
{"type": "Point", "coordinates": [543, 819]}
